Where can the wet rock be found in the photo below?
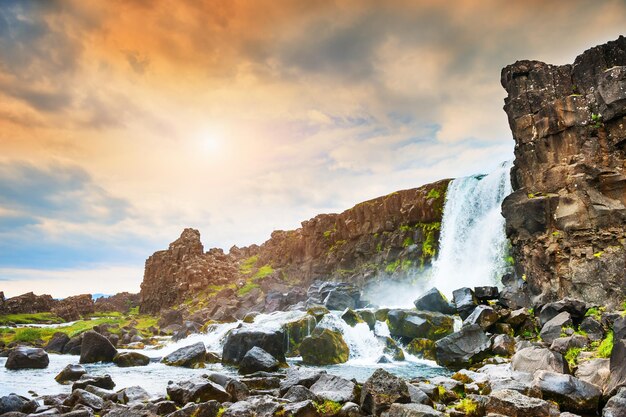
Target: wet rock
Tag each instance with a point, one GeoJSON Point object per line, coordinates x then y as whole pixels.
{"type": "Point", "coordinates": [535, 358]}
{"type": "Point", "coordinates": [570, 393]}
{"type": "Point", "coordinates": [513, 404]}
{"type": "Point", "coordinates": [576, 310]}
{"type": "Point", "coordinates": [417, 395]}
{"type": "Point", "coordinates": [484, 316]}
{"type": "Point", "coordinates": [258, 360]}
{"type": "Point", "coordinates": [434, 300]}
{"type": "Point", "coordinates": [237, 390]}
{"type": "Point", "coordinates": [100, 381]}
{"type": "Point", "coordinates": [27, 358]}
{"type": "Point", "coordinates": [16, 403]}
{"type": "Point", "coordinates": [70, 373]}
{"type": "Point", "coordinates": [162, 408]}
{"type": "Point", "coordinates": [392, 349]}
{"type": "Point", "coordinates": [595, 371]}
{"type": "Point", "coordinates": [73, 346]}
{"type": "Point", "coordinates": [334, 388]}
{"type": "Point", "coordinates": [299, 393]}
{"type": "Point", "coordinates": [503, 345]}
{"type": "Point", "coordinates": [465, 301]}
{"type": "Point", "coordinates": [96, 348]}
{"type": "Point", "coordinates": [424, 348]}
{"type": "Point", "coordinates": [514, 295]}
{"type": "Point", "coordinates": [128, 359]}
{"type": "Point", "coordinates": [299, 376]}
{"type": "Point", "coordinates": [554, 327]}
{"type": "Point", "coordinates": [82, 397]}
{"type": "Point", "coordinates": [196, 390]}
{"type": "Point", "coordinates": [466, 346]}
{"type": "Point", "coordinates": [484, 294]}
{"type": "Point", "coordinates": [381, 390]}
{"type": "Point", "coordinates": [324, 347]}
{"type": "Point", "coordinates": [419, 324]}
{"type": "Point", "coordinates": [351, 317]}
{"type": "Point", "coordinates": [616, 406]}
{"type": "Point", "coordinates": [296, 331]}
{"type": "Point", "coordinates": [57, 342]}
{"type": "Point", "coordinates": [135, 394]}
{"type": "Point", "coordinates": [240, 341]}
{"type": "Point", "coordinates": [192, 356]}
{"type": "Point", "coordinates": [413, 410]}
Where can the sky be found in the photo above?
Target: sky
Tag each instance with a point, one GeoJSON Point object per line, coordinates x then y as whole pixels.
{"type": "Point", "coordinates": [123, 122]}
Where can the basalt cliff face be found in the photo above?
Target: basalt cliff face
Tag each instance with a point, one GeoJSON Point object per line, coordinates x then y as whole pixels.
{"type": "Point", "coordinates": [381, 238]}
{"type": "Point", "coordinates": [567, 216]}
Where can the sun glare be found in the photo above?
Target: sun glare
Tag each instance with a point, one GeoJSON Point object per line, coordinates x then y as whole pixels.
{"type": "Point", "coordinates": [209, 142]}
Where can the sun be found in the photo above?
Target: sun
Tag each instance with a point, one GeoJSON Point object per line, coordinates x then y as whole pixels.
{"type": "Point", "coordinates": [209, 142]}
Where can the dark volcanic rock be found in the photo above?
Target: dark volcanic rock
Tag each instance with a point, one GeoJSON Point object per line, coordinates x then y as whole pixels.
{"type": "Point", "coordinates": [70, 373]}
{"type": "Point", "coordinates": [196, 390]}
{"type": "Point", "coordinates": [258, 360]}
{"type": "Point", "coordinates": [434, 300]}
{"type": "Point", "coordinates": [570, 393]}
{"type": "Point", "coordinates": [96, 348]}
{"type": "Point", "coordinates": [240, 341]}
{"type": "Point", "coordinates": [487, 293]}
{"type": "Point", "coordinates": [466, 346]}
{"type": "Point", "coordinates": [484, 316]}
{"type": "Point", "coordinates": [100, 381]}
{"type": "Point", "coordinates": [57, 342]}
{"type": "Point", "coordinates": [465, 301]}
{"type": "Point", "coordinates": [15, 403]}
{"type": "Point", "coordinates": [25, 358]}
{"type": "Point", "coordinates": [553, 328]}
{"type": "Point", "coordinates": [534, 358]}
{"type": "Point", "coordinates": [381, 390]}
{"type": "Point", "coordinates": [127, 359]}
{"type": "Point", "coordinates": [616, 406]}
{"type": "Point", "coordinates": [567, 215]}
{"type": "Point", "coordinates": [419, 324]}
{"type": "Point", "coordinates": [575, 308]}
{"type": "Point", "coordinates": [82, 397]}
{"type": "Point", "coordinates": [511, 403]}
{"type": "Point", "coordinates": [189, 356]}
{"type": "Point", "coordinates": [334, 388]}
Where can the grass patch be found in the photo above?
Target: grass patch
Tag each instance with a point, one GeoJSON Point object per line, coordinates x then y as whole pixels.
{"type": "Point", "coordinates": [408, 242]}
{"type": "Point", "coordinates": [468, 407]}
{"type": "Point", "coordinates": [249, 286]}
{"type": "Point", "coordinates": [571, 356]}
{"type": "Point", "coordinates": [606, 346]}
{"type": "Point", "coordinates": [328, 408]}
{"type": "Point", "coordinates": [247, 266]}
{"type": "Point", "coordinates": [433, 193]}
{"type": "Point", "coordinates": [263, 271]}
{"type": "Point", "coordinates": [41, 318]}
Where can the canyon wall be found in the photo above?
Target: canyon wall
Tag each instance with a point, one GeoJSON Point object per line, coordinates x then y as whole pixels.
{"type": "Point", "coordinates": [384, 238]}
{"type": "Point", "coordinates": [567, 216]}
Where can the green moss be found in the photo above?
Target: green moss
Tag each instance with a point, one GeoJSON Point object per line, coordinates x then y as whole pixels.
{"type": "Point", "coordinates": [509, 260]}
{"type": "Point", "coordinates": [263, 271]}
{"type": "Point", "coordinates": [249, 286]}
{"type": "Point", "coordinates": [606, 346]}
{"type": "Point", "coordinates": [379, 247]}
{"type": "Point", "coordinates": [598, 254]}
{"type": "Point", "coordinates": [468, 407]}
{"type": "Point", "coordinates": [433, 193]}
{"type": "Point", "coordinates": [28, 334]}
{"type": "Point", "coordinates": [47, 318]}
{"type": "Point", "coordinates": [328, 408]}
{"type": "Point", "coordinates": [337, 245]}
{"type": "Point", "coordinates": [408, 242]}
{"type": "Point", "coordinates": [571, 356]}
{"type": "Point", "coordinates": [248, 265]}
{"type": "Point", "coordinates": [595, 312]}
{"type": "Point", "coordinates": [406, 265]}
{"type": "Point", "coordinates": [391, 267]}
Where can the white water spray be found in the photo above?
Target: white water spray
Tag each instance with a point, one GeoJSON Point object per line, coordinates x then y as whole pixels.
{"type": "Point", "coordinates": [473, 244]}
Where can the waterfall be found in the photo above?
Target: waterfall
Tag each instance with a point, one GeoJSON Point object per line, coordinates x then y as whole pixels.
{"type": "Point", "coordinates": [473, 246]}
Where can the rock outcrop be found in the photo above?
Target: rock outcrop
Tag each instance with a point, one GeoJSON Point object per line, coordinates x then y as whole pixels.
{"type": "Point", "coordinates": [378, 239]}
{"type": "Point", "coordinates": [566, 218]}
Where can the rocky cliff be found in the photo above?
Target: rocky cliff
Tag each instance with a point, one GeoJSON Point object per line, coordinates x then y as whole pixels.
{"type": "Point", "coordinates": [567, 216]}
{"type": "Point", "coordinates": [384, 237]}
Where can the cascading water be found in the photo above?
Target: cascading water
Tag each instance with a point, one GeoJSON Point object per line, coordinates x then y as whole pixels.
{"type": "Point", "coordinates": [473, 245]}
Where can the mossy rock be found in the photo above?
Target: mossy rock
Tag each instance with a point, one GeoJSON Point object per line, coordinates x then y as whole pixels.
{"type": "Point", "coordinates": [324, 347]}
{"type": "Point", "coordinates": [295, 332]}
{"type": "Point", "coordinates": [352, 317]}
{"type": "Point", "coordinates": [318, 312]}
{"type": "Point", "coordinates": [392, 349]}
{"type": "Point", "coordinates": [424, 348]}
{"type": "Point", "coordinates": [368, 317]}
{"type": "Point", "coordinates": [249, 317]}
{"type": "Point", "coordinates": [419, 324]}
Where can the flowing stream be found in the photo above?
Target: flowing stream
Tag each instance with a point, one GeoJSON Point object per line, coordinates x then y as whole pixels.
{"type": "Point", "coordinates": [473, 246]}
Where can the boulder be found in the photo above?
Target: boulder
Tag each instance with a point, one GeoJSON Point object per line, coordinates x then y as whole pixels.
{"type": "Point", "coordinates": [514, 295]}
{"type": "Point", "coordinates": [324, 347]}
{"type": "Point", "coordinates": [258, 360]}
{"type": "Point", "coordinates": [511, 403]}
{"type": "Point", "coordinates": [575, 308]}
{"type": "Point", "coordinates": [381, 390]}
{"type": "Point", "coordinates": [413, 410]}
{"type": "Point", "coordinates": [535, 358]}
{"type": "Point", "coordinates": [503, 345]}
{"type": "Point", "coordinates": [465, 301]}
{"type": "Point", "coordinates": [593, 328]}
{"type": "Point", "coordinates": [299, 393]}
{"type": "Point", "coordinates": [13, 403]}
{"type": "Point", "coordinates": [419, 324]}
{"type": "Point", "coordinates": [240, 341]}
{"type": "Point", "coordinates": [196, 390]}
{"type": "Point", "coordinates": [82, 397]}
{"type": "Point", "coordinates": [424, 348]}
{"type": "Point", "coordinates": [617, 367]}
{"type": "Point", "coordinates": [518, 317]}
{"type": "Point", "coordinates": [616, 406]}
{"type": "Point", "coordinates": [70, 373]}
{"type": "Point", "coordinates": [169, 317]}
{"type": "Point", "coordinates": [351, 317]}
{"type": "Point", "coordinates": [302, 409]}
{"type": "Point", "coordinates": [595, 371]}
{"type": "Point", "coordinates": [434, 300]}
{"type": "Point", "coordinates": [570, 393]}
{"type": "Point", "coordinates": [299, 376]}
{"type": "Point", "coordinates": [192, 356]}
{"type": "Point", "coordinates": [57, 342]}
{"type": "Point", "coordinates": [27, 358]}
{"type": "Point", "coordinates": [563, 344]}
{"type": "Point", "coordinates": [96, 348]}
{"type": "Point", "coordinates": [462, 348]}
{"type": "Point", "coordinates": [73, 346]}
{"type": "Point", "coordinates": [203, 409]}
{"type": "Point", "coordinates": [484, 316]}
{"type": "Point", "coordinates": [334, 388]}
{"type": "Point", "coordinates": [128, 359]}
{"type": "Point", "coordinates": [484, 294]}
{"type": "Point", "coordinates": [100, 381]}
{"type": "Point", "coordinates": [556, 326]}
{"type": "Point", "coordinates": [135, 394]}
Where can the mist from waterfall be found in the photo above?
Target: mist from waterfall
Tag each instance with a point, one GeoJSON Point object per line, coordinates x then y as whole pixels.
{"type": "Point", "coordinates": [473, 246]}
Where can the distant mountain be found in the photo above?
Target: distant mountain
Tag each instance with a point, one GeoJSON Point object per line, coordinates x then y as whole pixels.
{"type": "Point", "coordinates": [96, 296]}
